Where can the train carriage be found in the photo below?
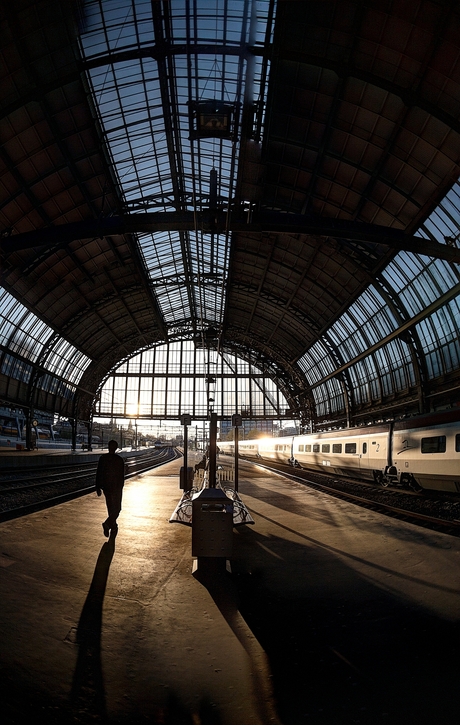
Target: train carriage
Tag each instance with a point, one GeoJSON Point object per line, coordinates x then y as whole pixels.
{"type": "Point", "coordinates": [426, 451]}
{"type": "Point", "coordinates": [361, 452]}
{"type": "Point", "coordinates": [421, 452]}
{"type": "Point", "coordinates": [248, 448]}
{"type": "Point", "coordinates": [276, 449]}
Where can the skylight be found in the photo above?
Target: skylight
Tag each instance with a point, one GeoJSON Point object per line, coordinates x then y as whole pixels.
{"type": "Point", "coordinates": [146, 62]}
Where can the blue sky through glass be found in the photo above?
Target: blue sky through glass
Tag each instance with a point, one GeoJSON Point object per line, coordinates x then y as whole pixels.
{"type": "Point", "coordinates": [143, 106]}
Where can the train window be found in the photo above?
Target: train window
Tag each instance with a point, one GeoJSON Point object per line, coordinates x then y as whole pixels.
{"type": "Point", "coordinates": [315, 447]}
{"type": "Point", "coordinates": [350, 447]}
{"type": "Point", "coordinates": [308, 448]}
{"type": "Point", "coordinates": [364, 447]}
{"type": "Point", "coordinates": [336, 448]}
{"type": "Point", "coordinates": [457, 443]}
{"type": "Point", "coordinates": [301, 449]}
{"type": "Point", "coordinates": [434, 444]}
{"type": "Point", "coordinates": [326, 448]}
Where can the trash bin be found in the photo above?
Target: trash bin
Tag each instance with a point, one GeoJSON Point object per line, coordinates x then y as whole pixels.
{"type": "Point", "coordinates": [212, 523]}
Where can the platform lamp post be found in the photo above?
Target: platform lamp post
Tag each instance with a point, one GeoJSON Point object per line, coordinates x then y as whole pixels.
{"type": "Point", "coordinates": [237, 421]}
{"type": "Point", "coordinates": [212, 466]}
{"type": "Point", "coordinates": [184, 482]}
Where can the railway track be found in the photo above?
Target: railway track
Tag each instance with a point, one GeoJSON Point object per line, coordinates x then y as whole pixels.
{"type": "Point", "coordinates": [437, 510]}
{"type": "Point", "coordinates": [25, 490]}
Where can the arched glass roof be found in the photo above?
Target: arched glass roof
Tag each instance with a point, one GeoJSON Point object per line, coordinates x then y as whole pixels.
{"type": "Point", "coordinates": [29, 339]}
{"type": "Point", "coordinates": [411, 290]}
{"type": "Point", "coordinates": [170, 380]}
{"type": "Point", "coordinates": [305, 218]}
{"type": "Point", "coordinates": [143, 104]}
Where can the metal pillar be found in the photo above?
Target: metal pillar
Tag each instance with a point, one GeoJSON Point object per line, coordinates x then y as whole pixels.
{"type": "Point", "coordinates": [186, 476]}
{"type": "Point", "coordinates": [236, 422]}
{"type": "Point", "coordinates": [212, 467]}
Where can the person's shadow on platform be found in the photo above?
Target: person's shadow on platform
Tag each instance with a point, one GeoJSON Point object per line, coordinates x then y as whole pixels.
{"type": "Point", "coordinates": [87, 697]}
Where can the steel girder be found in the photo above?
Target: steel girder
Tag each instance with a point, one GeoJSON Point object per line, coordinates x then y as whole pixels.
{"type": "Point", "coordinates": [209, 221]}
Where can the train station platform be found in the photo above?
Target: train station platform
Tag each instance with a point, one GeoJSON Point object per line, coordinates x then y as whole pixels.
{"type": "Point", "coordinates": [331, 614]}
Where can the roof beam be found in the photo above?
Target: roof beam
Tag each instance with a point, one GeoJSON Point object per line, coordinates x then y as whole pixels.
{"type": "Point", "coordinates": [431, 309]}
{"type": "Point", "coordinates": [209, 221]}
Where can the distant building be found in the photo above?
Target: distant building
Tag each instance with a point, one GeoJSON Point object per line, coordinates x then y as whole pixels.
{"type": "Point", "coordinates": [263, 426]}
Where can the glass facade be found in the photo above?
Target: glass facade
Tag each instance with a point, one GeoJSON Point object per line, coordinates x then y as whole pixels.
{"type": "Point", "coordinates": [411, 285]}
{"type": "Point", "coordinates": [28, 342]}
{"type": "Point", "coordinates": [170, 380]}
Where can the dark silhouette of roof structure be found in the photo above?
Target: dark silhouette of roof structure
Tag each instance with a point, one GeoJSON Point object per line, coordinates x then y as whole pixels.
{"type": "Point", "coordinates": [171, 171]}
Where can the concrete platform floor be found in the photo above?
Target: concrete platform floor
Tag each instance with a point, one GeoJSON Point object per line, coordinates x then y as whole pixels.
{"type": "Point", "coordinates": [332, 614]}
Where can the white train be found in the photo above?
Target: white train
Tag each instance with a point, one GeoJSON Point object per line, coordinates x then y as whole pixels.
{"type": "Point", "coordinates": [421, 452]}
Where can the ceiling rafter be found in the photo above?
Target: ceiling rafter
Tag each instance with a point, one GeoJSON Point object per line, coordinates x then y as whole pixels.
{"type": "Point", "coordinates": [349, 114]}
{"type": "Point", "coordinates": [162, 31]}
{"type": "Point", "coordinates": [208, 221]}
{"type": "Point", "coordinates": [379, 167]}
{"type": "Point", "coordinates": [23, 187]}
{"type": "Point", "coordinates": [42, 101]}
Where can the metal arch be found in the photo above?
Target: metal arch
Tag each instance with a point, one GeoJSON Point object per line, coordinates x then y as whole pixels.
{"type": "Point", "coordinates": [264, 367]}
{"type": "Point", "coordinates": [418, 358]}
{"type": "Point", "coordinates": [237, 220]}
{"type": "Point", "coordinates": [396, 333]}
{"type": "Point", "coordinates": [289, 376]}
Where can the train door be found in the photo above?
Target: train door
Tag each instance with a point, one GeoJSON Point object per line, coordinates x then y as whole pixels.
{"type": "Point", "coordinates": [363, 454]}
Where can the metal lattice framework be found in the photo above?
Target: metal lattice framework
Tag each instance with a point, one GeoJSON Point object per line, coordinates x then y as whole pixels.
{"type": "Point", "coordinates": [313, 225]}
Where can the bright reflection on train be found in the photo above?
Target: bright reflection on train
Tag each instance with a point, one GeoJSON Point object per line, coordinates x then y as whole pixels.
{"type": "Point", "coordinates": [419, 453]}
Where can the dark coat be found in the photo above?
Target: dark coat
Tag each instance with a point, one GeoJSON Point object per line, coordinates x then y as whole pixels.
{"type": "Point", "coordinates": [110, 474]}
{"type": "Point", "coordinates": [110, 478]}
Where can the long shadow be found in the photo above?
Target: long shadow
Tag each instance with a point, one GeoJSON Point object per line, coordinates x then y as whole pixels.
{"type": "Point", "coordinates": [87, 698]}
{"type": "Point", "coordinates": [212, 574]}
{"type": "Point", "coordinates": [286, 502]}
{"type": "Point", "coordinates": [340, 649]}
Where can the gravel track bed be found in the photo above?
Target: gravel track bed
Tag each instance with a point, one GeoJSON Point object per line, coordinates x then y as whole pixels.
{"type": "Point", "coordinates": [45, 491]}
{"type": "Point", "coordinates": [29, 497]}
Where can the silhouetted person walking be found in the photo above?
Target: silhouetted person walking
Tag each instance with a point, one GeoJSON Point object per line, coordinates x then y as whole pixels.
{"type": "Point", "coordinates": [110, 478]}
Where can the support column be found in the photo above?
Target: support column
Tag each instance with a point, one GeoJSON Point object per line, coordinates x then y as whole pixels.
{"type": "Point", "coordinates": [212, 466]}
{"type": "Point", "coordinates": [236, 422]}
